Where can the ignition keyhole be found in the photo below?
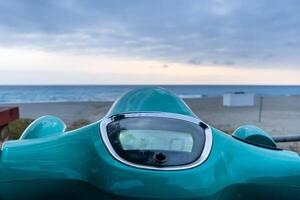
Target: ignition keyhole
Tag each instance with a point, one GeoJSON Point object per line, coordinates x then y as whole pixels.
{"type": "Point", "coordinates": [160, 158]}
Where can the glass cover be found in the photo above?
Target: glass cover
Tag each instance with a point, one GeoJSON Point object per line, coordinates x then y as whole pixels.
{"type": "Point", "coordinates": [156, 141]}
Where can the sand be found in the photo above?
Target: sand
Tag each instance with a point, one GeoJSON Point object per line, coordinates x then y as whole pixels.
{"type": "Point", "coordinates": [68, 112]}
{"type": "Point", "coordinates": [280, 115]}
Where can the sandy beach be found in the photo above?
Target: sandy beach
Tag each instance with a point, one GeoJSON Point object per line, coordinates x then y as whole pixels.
{"type": "Point", "coordinates": [280, 115]}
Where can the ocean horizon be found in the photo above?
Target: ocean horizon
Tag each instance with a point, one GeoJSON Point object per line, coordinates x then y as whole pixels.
{"type": "Point", "coordinates": [86, 93]}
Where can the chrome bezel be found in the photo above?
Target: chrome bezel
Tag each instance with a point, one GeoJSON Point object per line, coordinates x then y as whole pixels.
{"type": "Point", "coordinates": [205, 153]}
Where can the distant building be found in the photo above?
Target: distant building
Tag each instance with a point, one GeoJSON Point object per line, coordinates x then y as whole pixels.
{"type": "Point", "coordinates": [238, 99]}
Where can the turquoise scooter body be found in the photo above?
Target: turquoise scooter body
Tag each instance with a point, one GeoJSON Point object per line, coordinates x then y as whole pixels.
{"type": "Point", "coordinates": [48, 162]}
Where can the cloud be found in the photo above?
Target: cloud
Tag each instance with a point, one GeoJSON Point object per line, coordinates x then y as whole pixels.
{"type": "Point", "coordinates": [256, 33]}
{"type": "Point", "coordinates": [223, 62]}
{"type": "Point", "coordinates": [195, 61]}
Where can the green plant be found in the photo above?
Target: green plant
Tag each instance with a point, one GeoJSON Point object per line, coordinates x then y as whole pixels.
{"type": "Point", "coordinates": [17, 127]}
{"type": "Point", "coordinates": [78, 124]}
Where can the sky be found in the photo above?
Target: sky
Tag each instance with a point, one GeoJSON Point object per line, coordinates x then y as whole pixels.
{"type": "Point", "coordinates": [150, 42]}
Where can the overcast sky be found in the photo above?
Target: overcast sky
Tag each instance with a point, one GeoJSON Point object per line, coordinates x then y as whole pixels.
{"type": "Point", "coordinates": [150, 42]}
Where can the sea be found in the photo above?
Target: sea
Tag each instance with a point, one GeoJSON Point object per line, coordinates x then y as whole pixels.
{"type": "Point", "coordinates": [86, 93]}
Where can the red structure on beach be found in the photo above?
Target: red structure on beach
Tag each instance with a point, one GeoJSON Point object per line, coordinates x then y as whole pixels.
{"type": "Point", "coordinates": [8, 114]}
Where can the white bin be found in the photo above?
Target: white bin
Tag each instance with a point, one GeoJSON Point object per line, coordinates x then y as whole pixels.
{"type": "Point", "coordinates": [238, 99]}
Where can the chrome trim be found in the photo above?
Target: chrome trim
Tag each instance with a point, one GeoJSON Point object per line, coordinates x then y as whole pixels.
{"type": "Point", "coordinates": [204, 155]}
